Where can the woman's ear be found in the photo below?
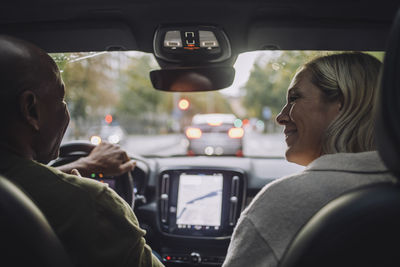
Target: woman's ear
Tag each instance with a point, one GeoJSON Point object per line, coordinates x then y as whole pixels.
{"type": "Point", "coordinates": [29, 108]}
{"type": "Point", "coordinates": [340, 103]}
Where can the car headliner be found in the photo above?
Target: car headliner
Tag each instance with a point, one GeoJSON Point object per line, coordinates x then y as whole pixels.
{"type": "Point", "coordinates": [97, 25]}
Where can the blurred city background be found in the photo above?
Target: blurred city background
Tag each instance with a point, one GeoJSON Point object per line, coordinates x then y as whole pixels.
{"type": "Point", "coordinates": [110, 97]}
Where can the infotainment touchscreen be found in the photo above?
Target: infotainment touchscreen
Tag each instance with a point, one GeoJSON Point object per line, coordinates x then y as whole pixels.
{"type": "Point", "coordinates": [199, 201]}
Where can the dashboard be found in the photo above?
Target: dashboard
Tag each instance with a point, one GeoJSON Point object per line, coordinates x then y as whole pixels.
{"type": "Point", "coordinates": [189, 206]}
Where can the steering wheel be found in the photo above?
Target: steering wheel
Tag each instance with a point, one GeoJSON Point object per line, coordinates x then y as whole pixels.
{"type": "Point", "coordinates": [74, 150]}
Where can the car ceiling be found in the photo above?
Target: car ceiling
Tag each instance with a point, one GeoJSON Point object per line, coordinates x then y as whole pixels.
{"type": "Point", "coordinates": [95, 25]}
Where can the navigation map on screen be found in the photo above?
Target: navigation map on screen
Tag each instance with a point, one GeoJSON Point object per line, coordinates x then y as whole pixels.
{"type": "Point", "coordinates": [199, 200]}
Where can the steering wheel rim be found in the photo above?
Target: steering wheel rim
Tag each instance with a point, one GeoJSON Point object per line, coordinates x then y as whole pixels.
{"type": "Point", "coordinates": [74, 150]}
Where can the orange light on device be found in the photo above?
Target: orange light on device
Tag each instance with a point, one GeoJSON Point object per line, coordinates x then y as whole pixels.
{"type": "Point", "coordinates": [193, 133]}
{"type": "Point", "coordinates": [183, 104]}
{"type": "Point", "coordinates": [191, 47]}
{"type": "Point", "coordinates": [236, 132]}
{"type": "Point", "coordinates": [108, 118]}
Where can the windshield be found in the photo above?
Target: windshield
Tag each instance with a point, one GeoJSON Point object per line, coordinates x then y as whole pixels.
{"type": "Point", "coordinates": [111, 98]}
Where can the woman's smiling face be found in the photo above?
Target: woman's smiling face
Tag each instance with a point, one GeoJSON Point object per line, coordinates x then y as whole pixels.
{"type": "Point", "coordinates": [305, 116]}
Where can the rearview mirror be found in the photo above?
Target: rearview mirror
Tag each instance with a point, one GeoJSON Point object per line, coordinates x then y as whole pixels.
{"type": "Point", "coordinates": [192, 79]}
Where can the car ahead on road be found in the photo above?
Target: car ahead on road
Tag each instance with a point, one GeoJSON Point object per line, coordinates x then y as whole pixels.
{"type": "Point", "coordinates": [112, 53]}
{"type": "Point", "coordinates": [215, 134]}
{"type": "Point", "coordinates": [110, 132]}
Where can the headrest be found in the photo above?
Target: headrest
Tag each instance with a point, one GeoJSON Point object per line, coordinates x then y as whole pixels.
{"type": "Point", "coordinates": [26, 235]}
{"type": "Point", "coordinates": [388, 109]}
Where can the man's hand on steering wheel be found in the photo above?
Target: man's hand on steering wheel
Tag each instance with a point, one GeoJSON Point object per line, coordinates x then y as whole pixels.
{"type": "Point", "coordinates": [106, 158]}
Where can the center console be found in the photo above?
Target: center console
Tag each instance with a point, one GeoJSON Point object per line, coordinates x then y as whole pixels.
{"type": "Point", "coordinates": [202, 204]}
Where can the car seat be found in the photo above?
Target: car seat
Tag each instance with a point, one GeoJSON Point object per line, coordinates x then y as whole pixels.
{"type": "Point", "coordinates": [26, 237]}
{"type": "Point", "coordinates": [362, 227]}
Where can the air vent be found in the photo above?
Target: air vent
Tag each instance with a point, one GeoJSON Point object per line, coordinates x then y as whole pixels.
{"type": "Point", "coordinates": [234, 198]}
{"type": "Point", "coordinates": [164, 197]}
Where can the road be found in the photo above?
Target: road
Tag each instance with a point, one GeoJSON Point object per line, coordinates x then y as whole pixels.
{"type": "Point", "coordinates": [254, 144]}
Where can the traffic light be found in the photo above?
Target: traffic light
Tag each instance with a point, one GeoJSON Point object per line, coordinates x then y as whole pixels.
{"type": "Point", "coordinates": [183, 104]}
{"type": "Point", "coordinates": [108, 118]}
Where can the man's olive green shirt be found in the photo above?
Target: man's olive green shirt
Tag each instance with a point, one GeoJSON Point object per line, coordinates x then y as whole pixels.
{"type": "Point", "coordinates": [96, 226]}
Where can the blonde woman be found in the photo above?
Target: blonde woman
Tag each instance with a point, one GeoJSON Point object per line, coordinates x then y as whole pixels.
{"type": "Point", "coordinates": [328, 120]}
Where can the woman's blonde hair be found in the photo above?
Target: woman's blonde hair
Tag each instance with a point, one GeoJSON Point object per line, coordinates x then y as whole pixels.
{"type": "Point", "coordinates": [351, 78]}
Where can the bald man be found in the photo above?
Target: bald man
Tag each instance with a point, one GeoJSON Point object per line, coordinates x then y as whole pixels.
{"type": "Point", "coordinates": [96, 227]}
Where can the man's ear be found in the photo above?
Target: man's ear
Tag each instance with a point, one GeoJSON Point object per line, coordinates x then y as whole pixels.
{"type": "Point", "coordinates": [29, 108]}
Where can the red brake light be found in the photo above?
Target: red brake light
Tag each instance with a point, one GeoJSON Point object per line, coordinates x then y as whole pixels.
{"type": "Point", "coordinates": [236, 132]}
{"type": "Point", "coordinates": [193, 133]}
{"type": "Point", "coordinates": [239, 153]}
